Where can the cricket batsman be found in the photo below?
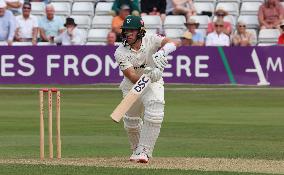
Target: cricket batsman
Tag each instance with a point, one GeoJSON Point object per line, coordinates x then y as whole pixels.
{"type": "Point", "coordinates": [139, 54]}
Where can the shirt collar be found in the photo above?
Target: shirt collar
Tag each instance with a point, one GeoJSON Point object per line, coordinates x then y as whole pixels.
{"type": "Point", "coordinates": [50, 20]}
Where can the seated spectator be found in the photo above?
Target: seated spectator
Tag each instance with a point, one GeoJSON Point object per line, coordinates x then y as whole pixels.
{"type": "Point", "coordinates": [180, 7]}
{"type": "Point", "coordinates": [281, 37]}
{"type": "Point", "coordinates": [111, 38]}
{"type": "Point", "coordinates": [220, 13]}
{"type": "Point", "coordinates": [197, 37]}
{"type": "Point", "coordinates": [241, 37]}
{"type": "Point", "coordinates": [150, 7]}
{"type": "Point", "coordinates": [218, 37]}
{"type": "Point", "coordinates": [72, 36]}
{"type": "Point", "coordinates": [50, 25]}
{"type": "Point", "coordinates": [132, 4]}
{"type": "Point", "coordinates": [15, 6]}
{"type": "Point", "coordinates": [26, 26]}
{"type": "Point", "coordinates": [8, 24]}
{"type": "Point", "coordinates": [270, 14]}
{"type": "Point", "coordinates": [118, 21]}
{"type": "Point", "coordinates": [186, 39]}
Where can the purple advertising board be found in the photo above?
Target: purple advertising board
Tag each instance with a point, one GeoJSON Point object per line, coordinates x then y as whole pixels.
{"type": "Point", "coordinates": [96, 64]}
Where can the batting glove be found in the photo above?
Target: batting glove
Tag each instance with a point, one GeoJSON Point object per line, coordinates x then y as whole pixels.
{"type": "Point", "coordinates": [160, 59]}
{"type": "Point", "coordinates": [155, 74]}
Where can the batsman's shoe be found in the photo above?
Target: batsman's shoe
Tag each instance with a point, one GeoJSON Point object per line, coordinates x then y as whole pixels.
{"type": "Point", "coordinates": [134, 157]}
{"type": "Point", "coordinates": [142, 158]}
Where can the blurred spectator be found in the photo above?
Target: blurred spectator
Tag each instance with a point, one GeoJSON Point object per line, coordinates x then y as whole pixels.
{"type": "Point", "coordinates": [281, 37]}
{"type": "Point", "coordinates": [111, 38]}
{"type": "Point", "coordinates": [50, 25]}
{"type": "Point", "coordinates": [133, 4]}
{"type": "Point", "coordinates": [241, 37]}
{"type": "Point", "coordinates": [270, 14]}
{"type": "Point", "coordinates": [197, 37]}
{"type": "Point", "coordinates": [117, 21]}
{"type": "Point", "coordinates": [220, 13]}
{"type": "Point", "coordinates": [72, 36]}
{"type": "Point", "coordinates": [186, 39]}
{"type": "Point", "coordinates": [26, 26]}
{"type": "Point", "coordinates": [8, 24]}
{"type": "Point", "coordinates": [157, 7]}
{"type": "Point", "coordinates": [180, 7]}
{"type": "Point", "coordinates": [15, 6]}
{"type": "Point", "coordinates": [218, 37]}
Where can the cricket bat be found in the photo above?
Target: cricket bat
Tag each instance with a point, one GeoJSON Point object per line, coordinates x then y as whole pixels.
{"type": "Point", "coordinates": [130, 98]}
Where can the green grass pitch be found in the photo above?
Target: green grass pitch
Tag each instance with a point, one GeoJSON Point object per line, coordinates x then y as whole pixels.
{"type": "Point", "coordinates": [228, 123]}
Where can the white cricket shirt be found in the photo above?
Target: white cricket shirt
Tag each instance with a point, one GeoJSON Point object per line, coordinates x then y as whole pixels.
{"type": "Point", "coordinates": [127, 57]}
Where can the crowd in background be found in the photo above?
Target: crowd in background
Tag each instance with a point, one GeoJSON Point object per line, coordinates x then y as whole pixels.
{"type": "Point", "coordinates": [19, 25]}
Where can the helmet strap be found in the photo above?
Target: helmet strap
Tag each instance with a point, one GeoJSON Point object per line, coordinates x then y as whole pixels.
{"type": "Point", "coordinates": [131, 44]}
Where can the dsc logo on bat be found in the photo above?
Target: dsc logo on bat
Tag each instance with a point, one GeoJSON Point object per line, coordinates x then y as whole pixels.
{"type": "Point", "coordinates": [141, 84]}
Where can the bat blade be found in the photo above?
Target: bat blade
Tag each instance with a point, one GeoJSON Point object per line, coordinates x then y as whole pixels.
{"type": "Point", "coordinates": [130, 98]}
{"type": "Point", "coordinates": [124, 106]}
